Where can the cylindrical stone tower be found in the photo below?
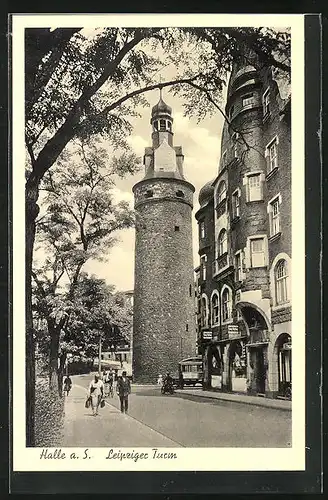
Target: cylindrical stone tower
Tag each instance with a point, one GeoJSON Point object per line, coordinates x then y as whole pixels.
{"type": "Point", "coordinates": [164, 329]}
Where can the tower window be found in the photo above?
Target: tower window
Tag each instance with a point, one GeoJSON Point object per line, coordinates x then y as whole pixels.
{"type": "Point", "coordinates": [190, 290]}
{"type": "Point", "coordinates": [187, 327]}
{"type": "Point", "coordinates": [180, 194]}
{"type": "Point", "coordinates": [176, 228]}
{"type": "Point", "coordinates": [169, 126]}
{"type": "Point", "coordinates": [149, 194]}
{"type": "Point", "coordinates": [248, 100]}
{"type": "Point", "coordinates": [156, 125]}
{"type": "Point", "coordinates": [162, 125]}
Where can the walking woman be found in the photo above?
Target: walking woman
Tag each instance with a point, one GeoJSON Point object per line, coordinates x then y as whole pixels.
{"type": "Point", "coordinates": [96, 391]}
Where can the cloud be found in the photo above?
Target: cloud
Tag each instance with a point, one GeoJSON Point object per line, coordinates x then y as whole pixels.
{"type": "Point", "coordinates": [138, 144]}
{"type": "Point", "coordinates": [120, 195]}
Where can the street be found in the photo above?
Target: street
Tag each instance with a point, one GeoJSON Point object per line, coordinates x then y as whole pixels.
{"type": "Point", "coordinates": [172, 421]}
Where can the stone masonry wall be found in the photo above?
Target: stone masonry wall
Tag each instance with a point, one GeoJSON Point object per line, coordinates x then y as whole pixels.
{"type": "Point", "coordinates": [164, 315]}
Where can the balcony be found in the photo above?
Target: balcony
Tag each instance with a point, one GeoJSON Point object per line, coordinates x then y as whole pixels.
{"type": "Point", "coordinates": [258, 336]}
{"type": "Point", "coordinates": [220, 263]}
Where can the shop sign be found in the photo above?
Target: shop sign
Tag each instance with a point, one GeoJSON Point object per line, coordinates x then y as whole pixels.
{"type": "Point", "coordinates": [233, 331]}
{"type": "Point", "coordinates": [287, 346]}
{"type": "Point", "coordinates": [207, 335]}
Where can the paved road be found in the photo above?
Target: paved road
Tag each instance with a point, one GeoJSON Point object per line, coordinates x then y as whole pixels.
{"type": "Point", "coordinates": [178, 420]}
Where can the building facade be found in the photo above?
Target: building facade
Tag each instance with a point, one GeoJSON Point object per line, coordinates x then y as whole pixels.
{"type": "Point", "coordinates": [245, 291]}
{"type": "Point", "coordinates": [164, 319]}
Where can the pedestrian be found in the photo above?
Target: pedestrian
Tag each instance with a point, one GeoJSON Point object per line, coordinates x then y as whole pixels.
{"type": "Point", "coordinates": [96, 392]}
{"type": "Point", "coordinates": [123, 388]}
{"type": "Point", "coordinates": [110, 381]}
{"type": "Point", "coordinates": [67, 384]}
{"type": "Point", "coordinates": [160, 380]}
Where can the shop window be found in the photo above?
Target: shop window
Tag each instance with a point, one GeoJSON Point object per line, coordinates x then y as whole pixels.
{"type": "Point", "coordinates": [281, 282]}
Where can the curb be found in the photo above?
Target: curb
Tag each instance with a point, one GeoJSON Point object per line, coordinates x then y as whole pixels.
{"type": "Point", "coordinates": [231, 400]}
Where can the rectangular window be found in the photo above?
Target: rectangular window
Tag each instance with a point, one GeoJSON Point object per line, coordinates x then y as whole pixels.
{"type": "Point", "coordinates": [203, 260]}
{"type": "Point", "coordinates": [235, 204]}
{"type": "Point", "coordinates": [248, 100]}
{"type": "Point", "coordinates": [254, 187]}
{"type": "Point", "coordinates": [202, 229]}
{"type": "Point", "coordinates": [239, 266]}
{"type": "Point", "coordinates": [257, 252]}
{"type": "Point", "coordinates": [274, 215]}
{"type": "Point", "coordinates": [272, 155]}
{"type": "Point", "coordinates": [266, 103]}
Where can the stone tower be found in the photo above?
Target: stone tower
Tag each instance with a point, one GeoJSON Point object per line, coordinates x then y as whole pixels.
{"type": "Point", "coordinates": [164, 330]}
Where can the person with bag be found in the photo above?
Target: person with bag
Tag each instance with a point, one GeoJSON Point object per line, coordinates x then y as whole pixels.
{"type": "Point", "coordinates": [123, 389]}
{"type": "Point", "coordinates": [96, 394]}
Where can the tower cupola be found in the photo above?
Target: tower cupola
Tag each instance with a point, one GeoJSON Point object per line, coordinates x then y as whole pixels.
{"type": "Point", "coordinates": [161, 121]}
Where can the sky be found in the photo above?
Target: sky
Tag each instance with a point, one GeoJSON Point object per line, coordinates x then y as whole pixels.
{"type": "Point", "coordinates": [201, 147]}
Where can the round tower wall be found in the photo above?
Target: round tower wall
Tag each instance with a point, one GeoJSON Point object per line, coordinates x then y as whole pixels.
{"type": "Point", "coordinates": [164, 303]}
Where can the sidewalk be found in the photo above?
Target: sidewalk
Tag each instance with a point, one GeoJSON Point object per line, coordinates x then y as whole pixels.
{"type": "Point", "coordinates": [277, 404]}
{"type": "Point", "coordinates": [108, 429]}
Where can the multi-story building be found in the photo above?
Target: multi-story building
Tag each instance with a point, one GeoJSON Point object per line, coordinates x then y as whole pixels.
{"type": "Point", "coordinates": [245, 252]}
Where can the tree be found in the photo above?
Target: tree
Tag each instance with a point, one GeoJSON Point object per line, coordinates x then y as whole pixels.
{"type": "Point", "coordinates": [78, 224]}
{"type": "Point", "coordinates": [76, 87]}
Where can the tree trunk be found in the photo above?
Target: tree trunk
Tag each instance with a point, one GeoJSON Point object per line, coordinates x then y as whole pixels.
{"type": "Point", "coordinates": [54, 333]}
{"type": "Point", "coordinates": [62, 362]}
{"type": "Point", "coordinates": [32, 210]}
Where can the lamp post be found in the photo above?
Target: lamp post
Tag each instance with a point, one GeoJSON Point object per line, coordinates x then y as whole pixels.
{"type": "Point", "coordinates": [99, 356]}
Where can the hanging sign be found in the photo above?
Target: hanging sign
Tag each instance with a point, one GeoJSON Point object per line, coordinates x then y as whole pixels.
{"type": "Point", "coordinates": [207, 335]}
{"type": "Point", "coordinates": [233, 331]}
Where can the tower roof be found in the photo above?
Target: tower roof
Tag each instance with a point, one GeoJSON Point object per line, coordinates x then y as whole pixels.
{"type": "Point", "coordinates": [206, 193]}
{"type": "Point", "coordinates": [161, 107]}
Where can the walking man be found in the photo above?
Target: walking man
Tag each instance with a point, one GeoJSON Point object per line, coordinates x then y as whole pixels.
{"type": "Point", "coordinates": [96, 392]}
{"type": "Point", "coordinates": [123, 389]}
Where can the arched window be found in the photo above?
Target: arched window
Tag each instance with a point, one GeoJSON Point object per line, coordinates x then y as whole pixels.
{"type": "Point", "coordinates": [281, 277]}
{"type": "Point", "coordinates": [222, 192]}
{"type": "Point", "coordinates": [225, 304]}
{"type": "Point", "coordinates": [215, 309]}
{"type": "Point", "coordinates": [162, 124]}
{"type": "Point", "coordinates": [222, 242]}
{"type": "Point", "coordinates": [204, 314]}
